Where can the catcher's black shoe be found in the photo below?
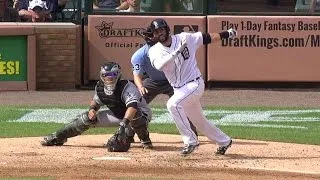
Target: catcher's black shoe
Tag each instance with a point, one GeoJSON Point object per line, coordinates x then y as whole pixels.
{"type": "Point", "coordinates": [146, 144]}
{"type": "Point", "coordinates": [188, 149]}
{"type": "Point", "coordinates": [131, 139]}
{"type": "Point", "coordinates": [222, 149]}
{"type": "Point", "coordinates": [52, 140]}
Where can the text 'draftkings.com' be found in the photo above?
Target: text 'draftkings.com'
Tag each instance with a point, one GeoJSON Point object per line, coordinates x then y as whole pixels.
{"type": "Point", "coordinates": [255, 41]}
{"type": "Point", "coordinates": [269, 34]}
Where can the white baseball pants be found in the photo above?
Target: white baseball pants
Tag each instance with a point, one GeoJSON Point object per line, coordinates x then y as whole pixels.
{"type": "Point", "coordinates": [186, 103]}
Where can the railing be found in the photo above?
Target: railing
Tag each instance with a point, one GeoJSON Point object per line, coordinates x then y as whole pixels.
{"type": "Point", "coordinates": [76, 11]}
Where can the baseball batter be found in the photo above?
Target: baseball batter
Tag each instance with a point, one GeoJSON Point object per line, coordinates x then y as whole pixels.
{"type": "Point", "coordinates": [124, 105]}
{"type": "Point", "coordinates": [176, 56]}
{"type": "Point", "coordinates": [156, 83]}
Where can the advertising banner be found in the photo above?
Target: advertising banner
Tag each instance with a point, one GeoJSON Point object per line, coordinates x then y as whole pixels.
{"type": "Point", "coordinates": [116, 38]}
{"type": "Point", "coordinates": [267, 48]}
{"type": "Point", "coordinates": [13, 58]}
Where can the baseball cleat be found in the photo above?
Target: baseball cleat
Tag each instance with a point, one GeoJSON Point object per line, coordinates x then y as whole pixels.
{"type": "Point", "coordinates": [147, 144]}
{"type": "Point", "coordinates": [222, 149]}
{"type": "Point", "coordinates": [188, 149]}
{"type": "Point", "coordinates": [52, 140]}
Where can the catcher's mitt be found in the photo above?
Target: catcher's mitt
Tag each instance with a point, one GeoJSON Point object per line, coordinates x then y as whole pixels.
{"type": "Point", "coordinates": [118, 143]}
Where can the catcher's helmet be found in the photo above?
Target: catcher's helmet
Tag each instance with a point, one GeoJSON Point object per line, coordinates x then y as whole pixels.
{"type": "Point", "coordinates": [110, 73]}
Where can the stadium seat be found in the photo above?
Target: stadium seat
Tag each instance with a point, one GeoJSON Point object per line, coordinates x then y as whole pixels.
{"type": "Point", "coordinates": [67, 11]}
{"type": "Point", "coordinates": [304, 6]}
{"type": "Point", "coordinates": [3, 6]}
{"type": "Point", "coordinates": [145, 5]}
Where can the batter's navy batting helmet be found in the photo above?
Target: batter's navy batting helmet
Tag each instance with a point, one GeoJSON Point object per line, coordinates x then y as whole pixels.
{"type": "Point", "coordinates": [159, 23]}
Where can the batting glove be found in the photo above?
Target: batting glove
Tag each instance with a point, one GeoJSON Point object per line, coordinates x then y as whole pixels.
{"type": "Point", "coordinates": [232, 33]}
{"type": "Point", "coordinates": [183, 43]}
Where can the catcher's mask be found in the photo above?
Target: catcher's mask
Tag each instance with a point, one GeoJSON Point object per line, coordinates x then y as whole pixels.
{"type": "Point", "coordinates": [148, 36]}
{"type": "Point", "coordinates": [110, 74]}
{"type": "Point", "coordinates": [157, 25]}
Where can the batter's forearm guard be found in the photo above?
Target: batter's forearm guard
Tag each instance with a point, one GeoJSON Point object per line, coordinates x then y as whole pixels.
{"type": "Point", "coordinates": [224, 35]}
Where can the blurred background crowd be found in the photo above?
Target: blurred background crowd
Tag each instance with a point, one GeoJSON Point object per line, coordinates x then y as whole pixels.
{"type": "Point", "coordinates": [56, 10]}
{"type": "Point", "coordinates": [49, 10]}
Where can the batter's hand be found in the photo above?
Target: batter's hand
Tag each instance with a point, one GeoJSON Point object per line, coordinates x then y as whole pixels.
{"type": "Point", "coordinates": [232, 33]}
{"type": "Point", "coordinates": [143, 90]}
{"type": "Point", "coordinates": [183, 43]}
{"type": "Point", "coordinates": [92, 115]}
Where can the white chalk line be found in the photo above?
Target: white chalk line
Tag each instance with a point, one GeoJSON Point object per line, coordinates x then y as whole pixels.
{"type": "Point", "coordinates": [161, 116]}
{"type": "Point", "coordinates": [275, 170]}
{"type": "Point", "coordinates": [111, 158]}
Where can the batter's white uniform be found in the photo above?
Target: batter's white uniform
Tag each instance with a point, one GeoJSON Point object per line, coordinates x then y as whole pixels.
{"type": "Point", "coordinates": [185, 77]}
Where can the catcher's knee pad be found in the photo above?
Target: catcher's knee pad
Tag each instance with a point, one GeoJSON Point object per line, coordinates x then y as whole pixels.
{"type": "Point", "coordinates": [75, 127]}
{"type": "Point", "coordinates": [83, 122]}
{"type": "Point", "coordinates": [140, 126]}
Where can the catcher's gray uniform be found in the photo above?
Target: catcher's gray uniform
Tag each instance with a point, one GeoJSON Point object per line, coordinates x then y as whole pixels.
{"type": "Point", "coordinates": [117, 104]}
{"type": "Point", "coordinates": [124, 94]}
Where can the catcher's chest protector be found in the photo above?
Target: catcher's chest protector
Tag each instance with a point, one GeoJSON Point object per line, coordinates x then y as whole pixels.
{"type": "Point", "coordinates": [113, 102]}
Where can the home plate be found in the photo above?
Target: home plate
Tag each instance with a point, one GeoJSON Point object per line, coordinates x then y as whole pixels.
{"type": "Point", "coordinates": [111, 158]}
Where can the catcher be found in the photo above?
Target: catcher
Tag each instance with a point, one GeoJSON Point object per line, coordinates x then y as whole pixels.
{"type": "Point", "coordinates": [125, 106]}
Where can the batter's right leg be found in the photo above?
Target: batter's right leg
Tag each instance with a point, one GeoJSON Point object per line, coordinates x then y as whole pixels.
{"type": "Point", "coordinates": [177, 111]}
{"type": "Point", "coordinates": [168, 90]}
{"type": "Point", "coordinates": [209, 129]}
{"type": "Point", "coordinates": [74, 128]}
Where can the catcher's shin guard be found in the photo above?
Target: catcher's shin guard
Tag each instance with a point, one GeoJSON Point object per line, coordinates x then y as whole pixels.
{"type": "Point", "coordinates": [74, 128]}
{"type": "Point", "coordinates": [140, 126]}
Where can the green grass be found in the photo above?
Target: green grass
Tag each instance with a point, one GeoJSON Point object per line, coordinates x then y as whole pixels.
{"type": "Point", "coordinates": [311, 115]}
{"type": "Point", "coordinates": [300, 136]}
{"type": "Point", "coordinates": [7, 114]}
{"type": "Point", "coordinates": [31, 129]}
{"type": "Point", "coordinates": [307, 135]}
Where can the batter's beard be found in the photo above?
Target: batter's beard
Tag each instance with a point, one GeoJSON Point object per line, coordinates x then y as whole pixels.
{"type": "Point", "coordinates": [165, 39]}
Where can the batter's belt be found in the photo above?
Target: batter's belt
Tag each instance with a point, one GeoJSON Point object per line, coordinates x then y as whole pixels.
{"type": "Point", "coordinates": [196, 79]}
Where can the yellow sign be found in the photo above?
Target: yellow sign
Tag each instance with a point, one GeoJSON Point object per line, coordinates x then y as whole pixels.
{"type": "Point", "coordinates": [9, 67]}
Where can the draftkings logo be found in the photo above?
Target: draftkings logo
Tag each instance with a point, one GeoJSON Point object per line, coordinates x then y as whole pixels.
{"type": "Point", "coordinates": [185, 28]}
{"type": "Point", "coordinates": [105, 31]}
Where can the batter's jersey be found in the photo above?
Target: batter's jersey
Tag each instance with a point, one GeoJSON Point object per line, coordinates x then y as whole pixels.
{"type": "Point", "coordinates": [129, 95]}
{"type": "Point", "coordinates": [184, 68]}
{"type": "Point", "coordinates": [141, 64]}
